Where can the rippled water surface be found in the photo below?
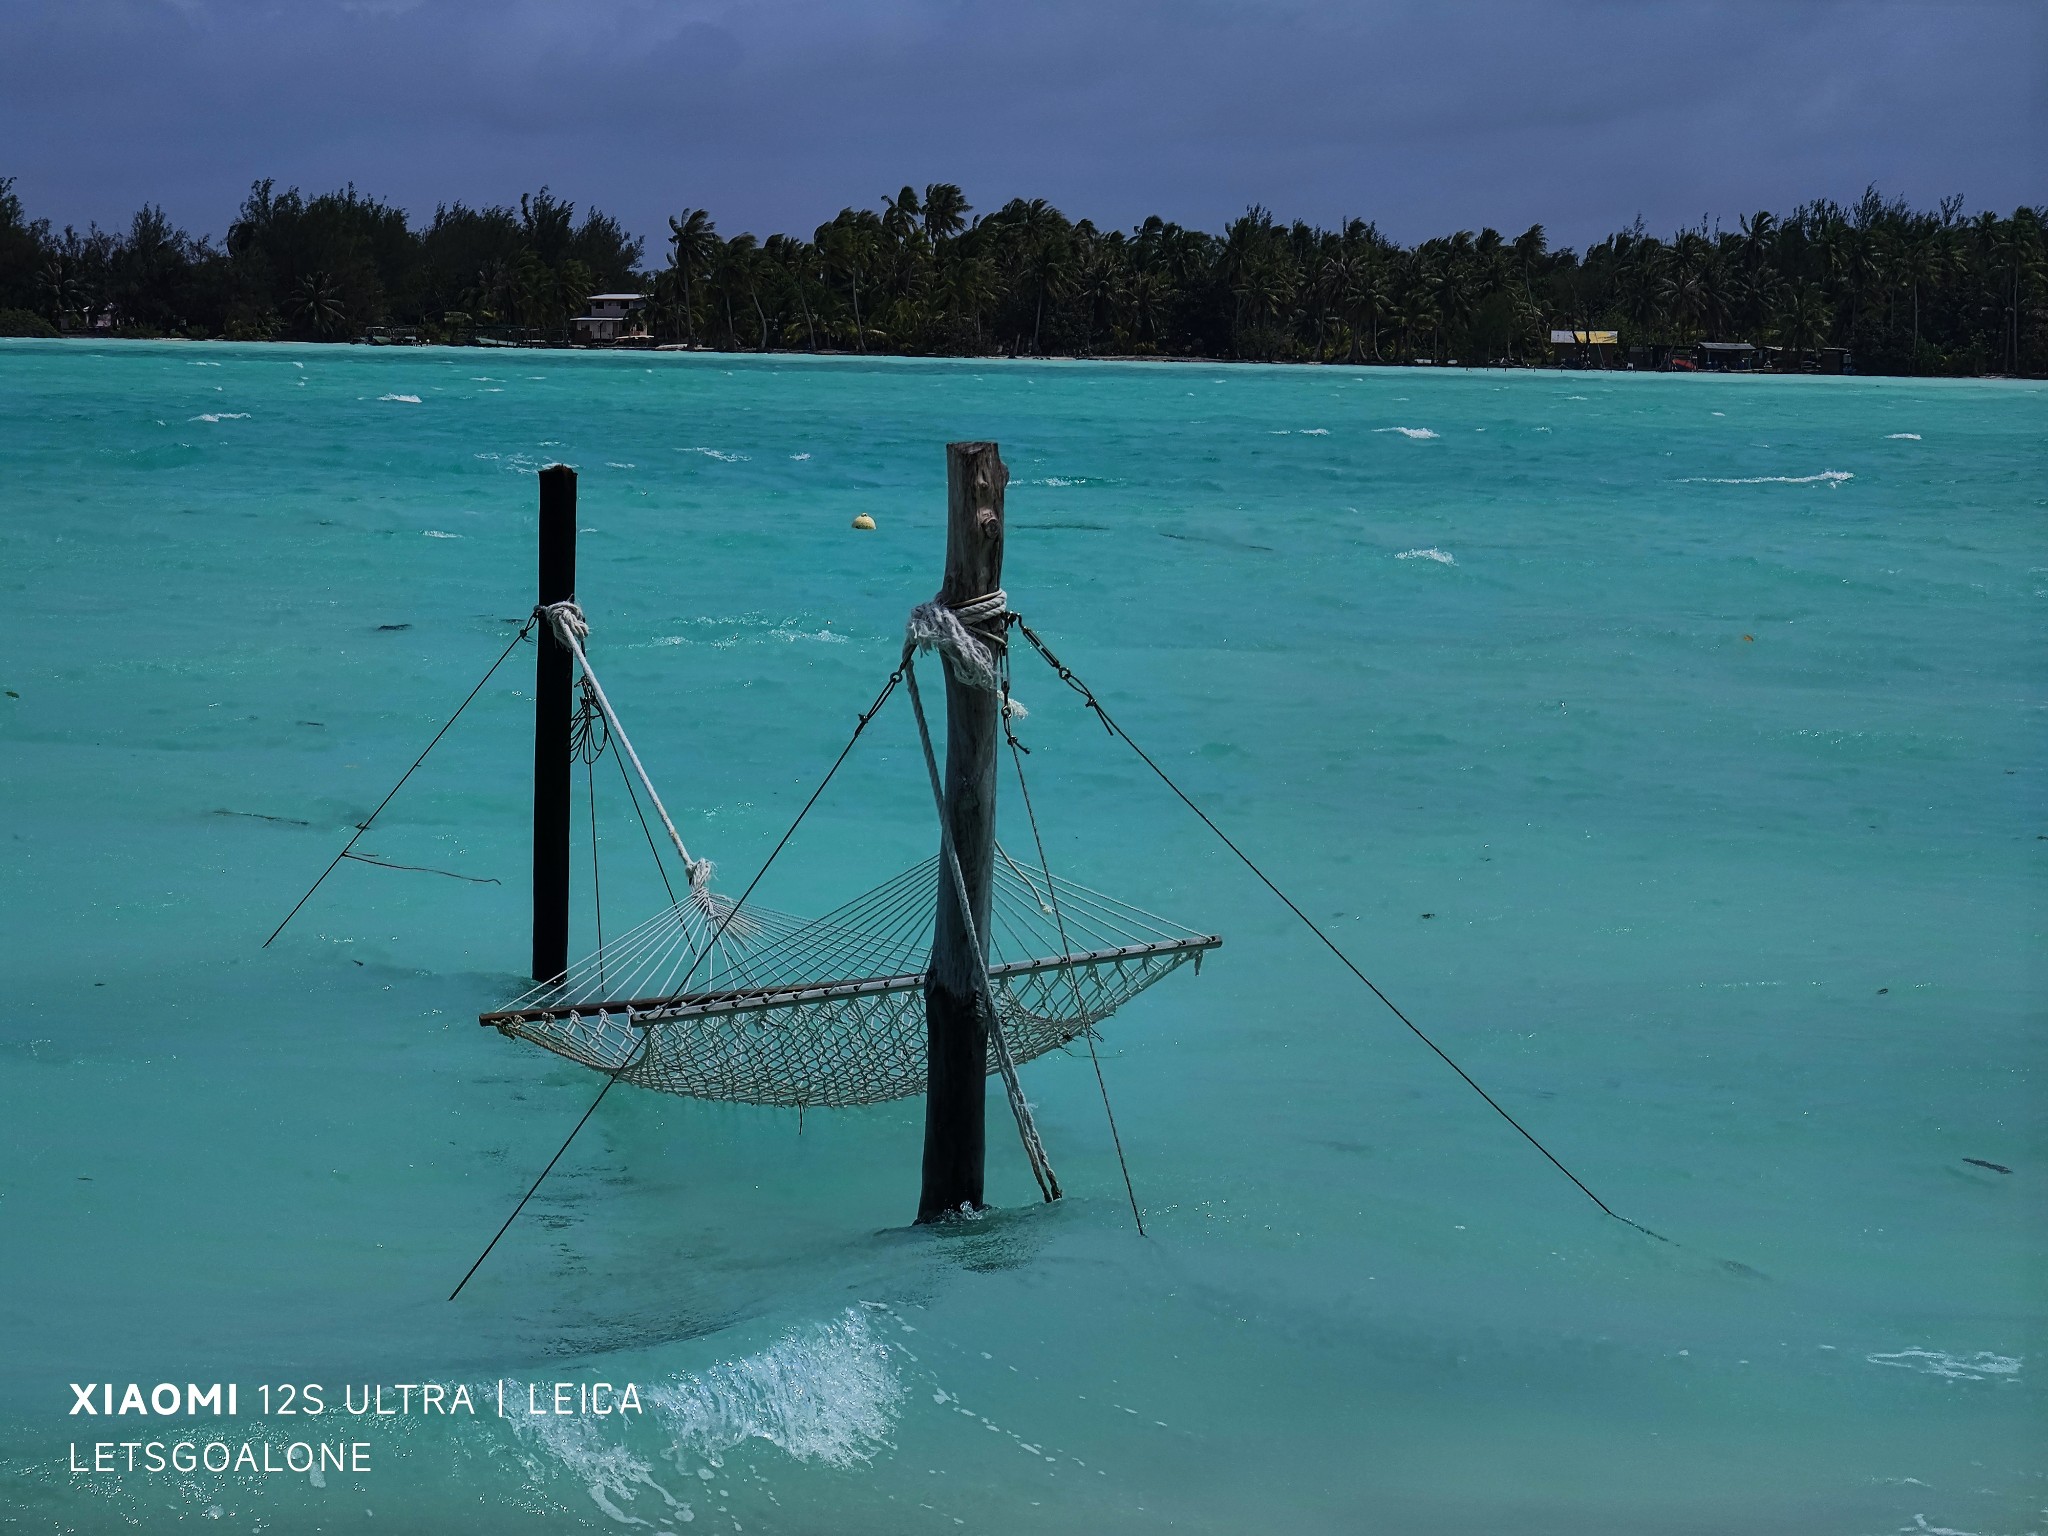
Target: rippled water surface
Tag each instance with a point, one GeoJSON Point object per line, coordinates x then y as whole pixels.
{"type": "Point", "coordinates": [1669, 748]}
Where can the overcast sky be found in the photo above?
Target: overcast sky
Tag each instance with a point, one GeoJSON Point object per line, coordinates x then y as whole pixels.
{"type": "Point", "coordinates": [1425, 117]}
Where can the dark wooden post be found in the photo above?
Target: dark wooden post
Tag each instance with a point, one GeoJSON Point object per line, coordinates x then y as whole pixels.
{"type": "Point", "coordinates": [956, 1092]}
{"type": "Point", "coordinates": [552, 712]}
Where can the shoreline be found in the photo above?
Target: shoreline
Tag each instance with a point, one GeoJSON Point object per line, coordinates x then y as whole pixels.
{"type": "Point", "coordinates": [668, 350]}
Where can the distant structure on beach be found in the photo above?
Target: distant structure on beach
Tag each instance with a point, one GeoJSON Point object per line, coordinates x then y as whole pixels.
{"type": "Point", "coordinates": [613, 317]}
{"type": "Point", "coordinates": [1603, 349]}
{"type": "Point", "coordinates": [1585, 349]}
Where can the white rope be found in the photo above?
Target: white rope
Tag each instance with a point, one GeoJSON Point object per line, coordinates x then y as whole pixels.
{"type": "Point", "coordinates": [571, 628]}
{"type": "Point", "coordinates": [942, 627]}
{"type": "Point", "coordinates": [1006, 1062]}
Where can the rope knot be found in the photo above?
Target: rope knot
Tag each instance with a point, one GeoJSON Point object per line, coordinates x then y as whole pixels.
{"type": "Point", "coordinates": [567, 621]}
{"type": "Point", "coordinates": [969, 651]}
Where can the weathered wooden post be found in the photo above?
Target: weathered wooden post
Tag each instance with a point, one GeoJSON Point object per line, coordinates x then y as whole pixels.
{"type": "Point", "coordinates": [955, 1120]}
{"type": "Point", "coordinates": [552, 714]}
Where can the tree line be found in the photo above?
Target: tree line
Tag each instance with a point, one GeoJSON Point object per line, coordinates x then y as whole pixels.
{"type": "Point", "coordinates": [1906, 290]}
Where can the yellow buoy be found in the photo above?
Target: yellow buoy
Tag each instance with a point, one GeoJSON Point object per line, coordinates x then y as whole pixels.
{"type": "Point", "coordinates": [864, 521]}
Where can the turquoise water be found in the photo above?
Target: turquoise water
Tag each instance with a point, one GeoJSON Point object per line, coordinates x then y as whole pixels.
{"type": "Point", "coordinates": [1702, 716]}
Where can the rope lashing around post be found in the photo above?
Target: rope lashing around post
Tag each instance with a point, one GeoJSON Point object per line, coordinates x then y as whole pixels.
{"type": "Point", "coordinates": [1067, 676]}
{"type": "Point", "coordinates": [571, 629]}
{"type": "Point", "coordinates": [972, 661]}
{"type": "Point", "coordinates": [950, 630]}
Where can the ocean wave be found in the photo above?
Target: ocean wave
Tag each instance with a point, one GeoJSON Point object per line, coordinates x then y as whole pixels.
{"type": "Point", "coordinates": [402, 399]}
{"type": "Point", "coordinates": [221, 415]}
{"type": "Point", "coordinates": [1826, 476]}
{"type": "Point", "coordinates": [1314, 431]}
{"type": "Point", "coordinates": [1432, 553]}
{"type": "Point", "coordinates": [615, 464]}
{"type": "Point", "coordinates": [821, 636]}
{"type": "Point", "coordinates": [825, 1393]}
{"type": "Point", "coordinates": [799, 457]}
{"type": "Point", "coordinates": [1902, 437]}
{"type": "Point", "coordinates": [1418, 433]}
{"type": "Point", "coordinates": [754, 629]}
{"type": "Point", "coordinates": [1981, 1366]}
{"type": "Point", "coordinates": [718, 454]}
{"type": "Point", "coordinates": [435, 533]}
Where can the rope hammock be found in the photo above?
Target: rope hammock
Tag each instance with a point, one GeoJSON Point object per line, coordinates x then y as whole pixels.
{"type": "Point", "coordinates": [831, 1012]}
{"type": "Point", "coordinates": [712, 999]}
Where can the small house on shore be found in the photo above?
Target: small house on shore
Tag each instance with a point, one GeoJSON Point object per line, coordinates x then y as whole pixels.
{"type": "Point", "coordinates": [612, 317]}
{"type": "Point", "coordinates": [1585, 349]}
{"type": "Point", "coordinates": [1726, 356]}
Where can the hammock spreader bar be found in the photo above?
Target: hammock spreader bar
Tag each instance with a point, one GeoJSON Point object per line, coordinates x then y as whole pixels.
{"type": "Point", "coordinates": [648, 1011]}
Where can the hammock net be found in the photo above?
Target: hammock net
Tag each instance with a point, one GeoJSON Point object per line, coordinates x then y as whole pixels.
{"type": "Point", "coordinates": [831, 1011]}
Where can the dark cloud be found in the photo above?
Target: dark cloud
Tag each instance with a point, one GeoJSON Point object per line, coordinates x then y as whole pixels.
{"type": "Point", "coordinates": [1425, 117]}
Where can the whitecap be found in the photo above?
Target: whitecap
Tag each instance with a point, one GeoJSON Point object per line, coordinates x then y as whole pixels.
{"type": "Point", "coordinates": [1826, 476]}
{"type": "Point", "coordinates": [402, 399]}
{"type": "Point", "coordinates": [435, 533]}
{"type": "Point", "coordinates": [828, 1392]}
{"type": "Point", "coordinates": [615, 464]}
{"type": "Point", "coordinates": [1280, 432]}
{"type": "Point", "coordinates": [1314, 431]}
{"type": "Point", "coordinates": [1418, 433]}
{"type": "Point", "coordinates": [821, 636]}
{"type": "Point", "coordinates": [1935, 1362]}
{"type": "Point", "coordinates": [799, 457]}
{"type": "Point", "coordinates": [1432, 553]}
{"type": "Point", "coordinates": [219, 416]}
{"type": "Point", "coordinates": [1902, 437]}
{"type": "Point", "coordinates": [714, 453]}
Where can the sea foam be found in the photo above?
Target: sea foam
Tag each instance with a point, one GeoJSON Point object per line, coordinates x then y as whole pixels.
{"type": "Point", "coordinates": [824, 1393]}
{"type": "Point", "coordinates": [1981, 1366]}
{"type": "Point", "coordinates": [1902, 437]}
{"type": "Point", "coordinates": [1826, 476]}
{"type": "Point", "coordinates": [402, 399]}
{"type": "Point", "coordinates": [1418, 433]}
{"type": "Point", "coordinates": [222, 415]}
{"type": "Point", "coordinates": [1432, 553]}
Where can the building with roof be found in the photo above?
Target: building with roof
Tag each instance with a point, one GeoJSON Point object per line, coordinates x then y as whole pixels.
{"type": "Point", "coordinates": [613, 317]}
{"type": "Point", "coordinates": [1585, 349]}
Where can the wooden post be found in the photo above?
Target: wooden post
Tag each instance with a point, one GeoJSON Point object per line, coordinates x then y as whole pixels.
{"type": "Point", "coordinates": [552, 713]}
{"type": "Point", "coordinates": [956, 1093]}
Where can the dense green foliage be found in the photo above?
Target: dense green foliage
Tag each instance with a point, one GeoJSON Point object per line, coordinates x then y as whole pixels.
{"type": "Point", "coordinates": [1907, 291]}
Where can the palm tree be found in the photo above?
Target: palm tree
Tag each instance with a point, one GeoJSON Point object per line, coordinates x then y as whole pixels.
{"type": "Point", "coordinates": [848, 245]}
{"type": "Point", "coordinates": [945, 211]}
{"type": "Point", "coordinates": [63, 293]}
{"type": "Point", "coordinates": [691, 237]}
{"type": "Point", "coordinates": [1921, 264]}
{"type": "Point", "coordinates": [1802, 316]}
{"type": "Point", "coordinates": [317, 303]}
{"type": "Point", "coordinates": [733, 275]}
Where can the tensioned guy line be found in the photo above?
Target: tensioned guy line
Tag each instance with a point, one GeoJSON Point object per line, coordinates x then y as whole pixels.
{"type": "Point", "coordinates": [1066, 675]}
